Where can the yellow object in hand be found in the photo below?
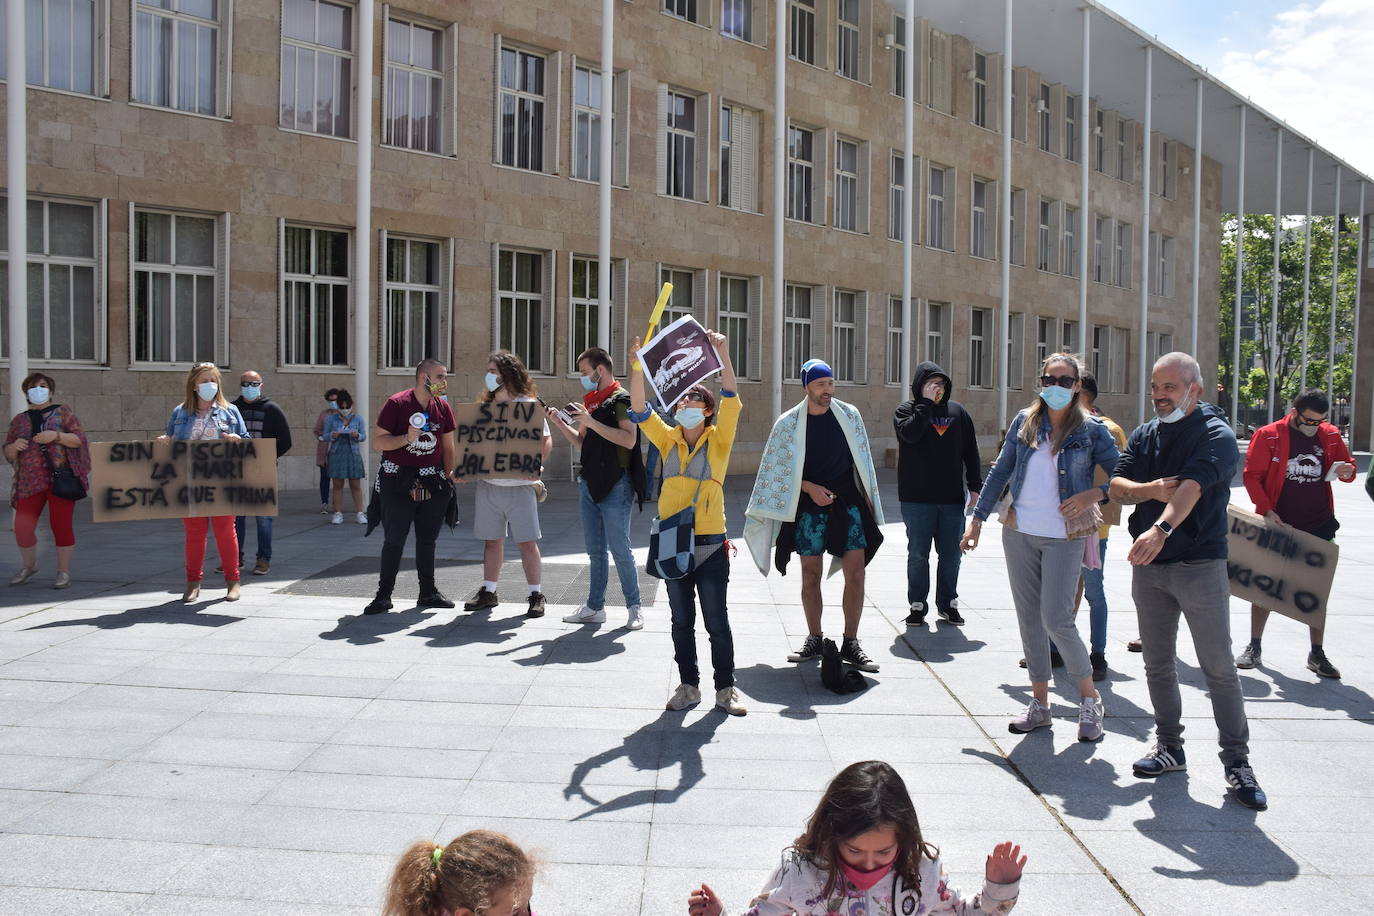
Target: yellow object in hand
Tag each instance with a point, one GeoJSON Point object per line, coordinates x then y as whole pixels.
{"type": "Point", "coordinates": [664, 294]}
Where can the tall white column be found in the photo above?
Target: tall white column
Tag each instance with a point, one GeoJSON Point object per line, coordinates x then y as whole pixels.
{"type": "Point", "coordinates": [1307, 269]}
{"type": "Point", "coordinates": [1272, 363]}
{"type": "Point", "coordinates": [1355, 353]}
{"type": "Point", "coordinates": [1145, 266]}
{"type": "Point", "coordinates": [1197, 214]}
{"type": "Point", "coordinates": [909, 185]}
{"type": "Point", "coordinates": [17, 181]}
{"type": "Point", "coordinates": [1236, 316]}
{"type": "Point", "coordinates": [1335, 288]}
{"type": "Point", "coordinates": [362, 236]}
{"type": "Point", "coordinates": [779, 192]}
{"type": "Point", "coordinates": [603, 235]}
{"type": "Point", "coordinates": [1004, 319]}
{"type": "Point", "coordinates": [1084, 165]}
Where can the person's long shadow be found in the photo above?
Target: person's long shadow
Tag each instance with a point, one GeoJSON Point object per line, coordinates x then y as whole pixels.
{"type": "Point", "coordinates": [1325, 693]}
{"type": "Point", "coordinates": [469, 627]}
{"type": "Point", "coordinates": [364, 630]}
{"type": "Point", "coordinates": [170, 611]}
{"type": "Point", "coordinates": [941, 644]}
{"type": "Point", "coordinates": [575, 648]}
{"type": "Point", "coordinates": [653, 746]}
{"type": "Point", "coordinates": [1084, 784]}
{"type": "Point", "coordinates": [796, 688]}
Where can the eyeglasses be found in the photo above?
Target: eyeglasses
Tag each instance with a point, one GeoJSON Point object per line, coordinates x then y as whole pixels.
{"type": "Point", "coordinates": [1063, 381]}
{"type": "Point", "coordinates": [1304, 421]}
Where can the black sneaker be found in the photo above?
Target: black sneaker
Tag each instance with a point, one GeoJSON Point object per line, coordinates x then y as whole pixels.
{"type": "Point", "coordinates": [1241, 778]}
{"type": "Point", "coordinates": [1319, 663]}
{"type": "Point", "coordinates": [809, 650]}
{"type": "Point", "coordinates": [1163, 759]}
{"type": "Point", "coordinates": [380, 605]}
{"type": "Point", "coordinates": [1099, 662]}
{"type": "Point", "coordinates": [851, 652]}
{"type": "Point", "coordinates": [536, 605]}
{"type": "Point", "coordinates": [917, 614]}
{"type": "Point", "coordinates": [434, 598]}
{"type": "Point", "coordinates": [951, 615]}
{"type": "Point", "coordinates": [483, 599]}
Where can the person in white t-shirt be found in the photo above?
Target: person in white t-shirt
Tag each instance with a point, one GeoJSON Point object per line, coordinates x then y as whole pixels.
{"type": "Point", "coordinates": [509, 505]}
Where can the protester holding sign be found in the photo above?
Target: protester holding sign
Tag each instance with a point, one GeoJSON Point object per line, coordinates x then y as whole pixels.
{"type": "Point", "coordinates": [1288, 469]}
{"type": "Point", "coordinates": [205, 414]}
{"type": "Point", "coordinates": [696, 455]}
{"type": "Point", "coordinates": [509, 504]}
{"type": "Point", "coordinates": [45, 442]}
{"type": "Point", "coordinates": [344, 432]}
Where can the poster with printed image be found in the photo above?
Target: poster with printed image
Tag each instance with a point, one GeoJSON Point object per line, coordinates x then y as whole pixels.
{"type": "Point", "coordinates": [1279, 567]}
{"type": "Point", "coordinates": [678, 357]}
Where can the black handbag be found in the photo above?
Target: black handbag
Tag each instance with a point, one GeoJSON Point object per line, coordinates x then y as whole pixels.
{"type": "Point", "coordinates": [65, 484]}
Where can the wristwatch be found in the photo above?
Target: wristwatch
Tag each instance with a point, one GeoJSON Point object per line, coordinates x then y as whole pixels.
{"type": "Point", "coordinates": [1164, 526]}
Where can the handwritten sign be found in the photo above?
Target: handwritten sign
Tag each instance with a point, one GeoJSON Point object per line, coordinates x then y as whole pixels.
{"type": "Point", "coordinates": [499, 440]}
{"type": "Point", "coordinates": [679, 357]}
{"type": "Point", "coordinates": [1279, 568]}
{"type": "Point", "coordinates": [131, 481]}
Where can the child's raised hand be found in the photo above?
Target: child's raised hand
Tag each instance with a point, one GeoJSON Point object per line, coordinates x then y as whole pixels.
{"type": "Point", "coordinates": [704, 902]}
{"type": "Point", "coordinates": [1005, 864]}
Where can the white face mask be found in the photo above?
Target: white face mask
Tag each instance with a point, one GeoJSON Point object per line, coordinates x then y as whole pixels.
{"type": "Point", "coordinates": [38, 395]}
{"type": "Point", "coordinates": [207, 390]}
{"type": "Point", "coordinates": [492, 381]}
{"type": "Point", "coordinates": [1178, 413]}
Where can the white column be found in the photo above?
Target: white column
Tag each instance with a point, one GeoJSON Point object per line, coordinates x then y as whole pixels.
{"type": "Point", "coordinates": [779, 192]}
{"type": "Point", "coordinates": [1306, 269]}
{"type": "Point", "coordinates": [17, 181]}
{"type": "Point", "coordinates": [1335, 288]}
{"type": "Point", "coordinates": [1084, 164]}
{"type": "Point", "coordinates": [1240, 276]}
{"type": "Point", "coordinates": [1355, 357]}
{"type": "Point", "coordinates": [1146, 179]}
{"type": "Point", "coordinates": [1004, 318]}
{"type": "Point", "coordinates": [362, 235]}
{"type": "Point", "coordinates": [603, 236]}
{"type": "Point", "coordinates": [1197, 214]}
{"type": "Point", "coordinates": [1272, 364]}
{"type": "Point", "coordinates": [909, 317]}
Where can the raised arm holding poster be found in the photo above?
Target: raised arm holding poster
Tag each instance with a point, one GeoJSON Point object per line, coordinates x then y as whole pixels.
{"type": "Point", "coordinates": [678, 357]}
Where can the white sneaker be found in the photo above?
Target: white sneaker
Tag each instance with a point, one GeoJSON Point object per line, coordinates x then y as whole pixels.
{"type": "Point", "coordinates": [362, 518]}
{"type": "Point", "coordinates": [585, 614]}
{"type": "Point", "coordinates": [686, 695]}
{"type": "Point", "coordinates": [635, 621]}
{"type": "Point", "coordinates": [728, 699]}
{"type": "Point", "coordinates": [336, 519]}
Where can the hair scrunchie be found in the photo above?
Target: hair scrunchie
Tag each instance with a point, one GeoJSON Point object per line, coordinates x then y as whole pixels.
{"type": "Point", "coordinates": [436, 856]}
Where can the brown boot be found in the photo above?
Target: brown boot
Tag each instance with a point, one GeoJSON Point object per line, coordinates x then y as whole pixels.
{"type": "Point", "coordinates": [192, 592]}
{"type": "Point", "coordinates": [233, 593]}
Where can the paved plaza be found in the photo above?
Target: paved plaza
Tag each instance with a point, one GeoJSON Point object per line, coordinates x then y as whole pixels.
{"type": "Point", "coordinates": [273, 756]}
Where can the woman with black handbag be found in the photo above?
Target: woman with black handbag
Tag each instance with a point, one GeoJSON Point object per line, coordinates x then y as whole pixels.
{"type": "Point", "coordinates": [52, 467]}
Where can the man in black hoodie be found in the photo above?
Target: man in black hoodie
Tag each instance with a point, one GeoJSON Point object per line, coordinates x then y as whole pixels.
{"type": "Point", "coordinates": [264, 420]}
{"type": "Point", "coordinates": [937, 461]}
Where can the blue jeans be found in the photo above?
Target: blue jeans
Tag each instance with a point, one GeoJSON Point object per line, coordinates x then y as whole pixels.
{"type": "Point", "coordinates": [709, 581]}
{"type": "Point", "coordinates": [1096, 596]}
{"type": "Point", "coordinates": [944, 524]}
{"type": "Point", "coordinates": [607, 525]}
{"type": "Point", "coordinates": [264, 535]}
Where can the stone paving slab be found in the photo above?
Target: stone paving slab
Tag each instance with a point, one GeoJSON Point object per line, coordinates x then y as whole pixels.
{"type": "Point", "coordinates": [273, 756]}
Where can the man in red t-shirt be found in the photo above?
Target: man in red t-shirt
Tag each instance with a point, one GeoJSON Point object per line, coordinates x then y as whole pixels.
{"type": "Point", "coordinates": [1288, 469]}
{"type": "Point", "coordinates": [414, 433]}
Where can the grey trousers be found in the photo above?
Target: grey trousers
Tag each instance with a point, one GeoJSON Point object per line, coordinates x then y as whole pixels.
{"type": "Point", "coordinates": [1044, 577]}
{"type": "Point", "coordinates": [1200, 591]}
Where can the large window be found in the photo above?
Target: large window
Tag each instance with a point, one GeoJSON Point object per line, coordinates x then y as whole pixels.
{"type": "Point", "coordinates": [1070, 244]}
{"type": "Point", "coordinates": [847, 40]}
{"type": "Point", "coordinates": [980, 348]}
{"type": "Point", "coordinates": [1101, 353]}
{"type": "Point", "coordinates": [178, 54]}
{"type": "Point", "coordinates": [980, 89]}
{"type": "Point", "coordinates": [1044, 105]}
{"type": "Point", "coordinates": [317, 67]}
{"type": "Point", "coordinates": [738, 318]}
{"type": "Point", "coordinates": [1044, 340]}
{"type": "Point", "coordinates": [1068, 338]}
{"type": "Point", "coordinates": [316, 276]}
{"type": "Point", "coordinates": [65, 307]}
{"type": "Point", "coordinates": [938, 332]}
{"type": "Point", "coordinates": [1162, 265]}
{"type": "Point", "coordinates": [938, 77]}
{"type": "Point", "coordinates": [177, 284]}
{"type": "Point", "coordinates": [683, 123]}
{"type": "Point", "coordinates": [896, 341]}
{"type": "Point", "coordinates": [682, 9]}
{"type": "Point", "coordinates": [524, 306]}
{"type": "Point", "coordinates": [1122, 265]}
{"type": "Point", "coordinates": [801, 30]}
{"type": "Point", "coordinates": [897, 198]}
{"type": "Point", "coordinates": [1016, 349]}
{"type": "Point", "coordinates": [849, 185]}
{"type": "Point", "coordinates": [850, 336]}
{"type": "Point", "coordinates": [585, 312]}
{"type": "Point", "coordinates": [1100, 140]}
{"type": "Point", "coordinates": [940, 207]}
{"type": "Point", "coordinates": [586, 144]}
{"type": "Point", "coordinates": [899, 56]}
{"type": "Point", "coordinates": [1071, 135]}
{"type": "Point", "coordinates": [801, 167]}
{"type": "Point", "coordinates": [1102, 240]}
{"type": "Point", "coordinates": [1125, 149]}
{"type": "Point", "coordinates": [739, 157]}
{"type": "Point", "coordinates": [983, 219]}
{"type": "Point", "coordinates": [689, 294]}
{"type": "Point", "coordinates": [737, 18]}
{"type": "Point", "coordinates": [1047, 236]}
{"type": "Point", "coordinates": [525, 128]}
{"type": "Point", "coordinates": [1018, 227]}
{"type": "Point", "coordinates": [418, 115]}
{"type": "Point", "coordinates": [66, 46]}
{"type": "Point", "coordinates": [796, 344]}
{"type": "Point", "coordinates": [414, 286]}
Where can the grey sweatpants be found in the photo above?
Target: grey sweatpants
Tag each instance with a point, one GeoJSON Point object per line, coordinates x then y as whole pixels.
{"type": "Point", "coordinates": [1200, 591]}
{"type": "Point", "coordinates": [1044, 577]}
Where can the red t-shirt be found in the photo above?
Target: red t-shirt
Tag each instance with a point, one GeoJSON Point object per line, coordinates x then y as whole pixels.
{"type": "Point", "coordinates": [401, 411]}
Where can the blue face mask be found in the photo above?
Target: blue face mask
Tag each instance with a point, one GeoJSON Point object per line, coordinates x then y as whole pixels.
{"type": "Point", "coordinates": [589, 382]}
{"type": "Point", "coordinates": [333, 405]}
{"type": "Point", "coordinates": [38, 395]}
{"type": "Point", "coordinates": [492, 381]}
{"type": "Point", "coordinates": [250, 392]}
{"type": "Point", "coordinates": [207, 390]}
{"type": "Point", "coordinates": [690, 417]}
{"type": "Point", "coordinates": [1057, 398]}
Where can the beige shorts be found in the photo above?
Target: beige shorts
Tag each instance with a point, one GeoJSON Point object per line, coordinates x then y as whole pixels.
{"type": "Point", "coordinates": [498, 508]}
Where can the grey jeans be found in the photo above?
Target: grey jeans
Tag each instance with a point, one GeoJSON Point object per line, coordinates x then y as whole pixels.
{"type": "Point", "coordinates": [1044, 577]}
{"type": "Point", "coordinates": [1200, 591]}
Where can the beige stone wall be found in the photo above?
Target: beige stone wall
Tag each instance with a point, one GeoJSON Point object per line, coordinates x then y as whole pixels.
{"type": "Point", "coordinates": [248, 167]}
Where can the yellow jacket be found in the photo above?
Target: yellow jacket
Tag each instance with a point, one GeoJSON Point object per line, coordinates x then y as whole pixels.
{"type": "Point", "coordinates": [1111, 512]}
{"type": "Point", "coordinates": [718, 439]}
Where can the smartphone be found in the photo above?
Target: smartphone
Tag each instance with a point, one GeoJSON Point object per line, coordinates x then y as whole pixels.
{"type": "Point", "coordinates": [561, 414]}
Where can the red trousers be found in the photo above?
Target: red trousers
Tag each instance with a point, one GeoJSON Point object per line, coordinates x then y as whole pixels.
{"type": "Point", "coordinates": [27, 510]}
{"type": "Point", "coordinates": [226, 542]}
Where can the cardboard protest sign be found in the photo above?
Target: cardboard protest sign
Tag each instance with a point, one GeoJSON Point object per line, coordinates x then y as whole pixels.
{"type": "Point", "coordinates": [499, 440]}
{"type": "Point", "coordinates": [678, 357]}
{"type": "Point", "coordinates": [170, 478]}
{"type": "Point", "coordinates": [1278, 567]}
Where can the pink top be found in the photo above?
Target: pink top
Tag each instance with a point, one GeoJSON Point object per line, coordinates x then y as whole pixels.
{"type": "Point", "coordinates": [32, 470]}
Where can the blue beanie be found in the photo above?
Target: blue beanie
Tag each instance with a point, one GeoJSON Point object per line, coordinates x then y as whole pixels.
{"type": "Point", "coordinates": [813, 369]}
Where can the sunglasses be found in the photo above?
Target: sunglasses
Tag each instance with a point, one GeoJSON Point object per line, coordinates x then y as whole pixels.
{"type": "Point", "coordinates": [1304, 421]}
{"type": "Point", "coordinates": [695, 396]}
{"type": "Point", "coordinates": [1063, 381]}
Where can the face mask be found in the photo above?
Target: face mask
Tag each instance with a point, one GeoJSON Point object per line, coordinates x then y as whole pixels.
{"type": "Point", "coordinates": [864, 880]}
{"type": "Point", "coordinates": [1308, 431]}
{"type": "Point", "coordinates": [492, 381]}
{"type": "Point", "coordinates": [1177, 414]}
{"type": "Point", "coordinates": [38, 395]}
{"type": "Point", "coordinates": [1057, 398]}
{"type": "Point", "coordinates": [250, 392]}
{"type": "Point", "coordinates": [207, 390]}
{"type": "Point", "coordinates": [345, 411]}
{"type": "Point", "coordinates": [589, 382]}
{"type": "Point", "coordinates": [437, 388]}
{"type": "Point", "coordinates": [690, 417]}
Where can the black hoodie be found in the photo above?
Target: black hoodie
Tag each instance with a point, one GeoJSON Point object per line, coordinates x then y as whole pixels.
{"type": "Point", "coordinates": [937, 455]}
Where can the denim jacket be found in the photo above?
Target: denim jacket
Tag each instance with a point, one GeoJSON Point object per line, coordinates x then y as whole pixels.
{"type": "Point", "coordinates": [1091, 445]}
{"type": "Point", "coordinates": [354, 423]}
{"type": "Point", "coordinates": [228, 419]}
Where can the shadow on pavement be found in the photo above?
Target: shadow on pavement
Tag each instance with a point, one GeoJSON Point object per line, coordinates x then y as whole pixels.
{"type": "Point", "coordinates": [796, 688]}
{"type": "Point", "coordinates": [941, 644]}
{"type": "Point", "coordinates": [171, 611]}
{"type": "Point", "coordinates": [367, 630]}
{"type": "Point", "coordinates": [575, 648]}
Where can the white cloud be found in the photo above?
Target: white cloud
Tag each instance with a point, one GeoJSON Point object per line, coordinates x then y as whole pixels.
{"type": "Point", "coordinates": [1308, 72]}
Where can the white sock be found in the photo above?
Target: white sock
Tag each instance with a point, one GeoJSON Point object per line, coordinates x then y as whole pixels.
{"type": "Point", "coordinates": [489, 585]}
{"type": "Point", "coordinates": [535, 588]}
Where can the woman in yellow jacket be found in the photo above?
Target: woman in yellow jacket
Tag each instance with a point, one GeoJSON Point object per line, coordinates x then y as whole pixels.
{"type": "Point", "coordinates": [695, 455]}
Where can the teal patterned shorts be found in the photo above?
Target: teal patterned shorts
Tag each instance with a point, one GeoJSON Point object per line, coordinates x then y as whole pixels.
{"type": "Point", "coordinates": [810, 532]}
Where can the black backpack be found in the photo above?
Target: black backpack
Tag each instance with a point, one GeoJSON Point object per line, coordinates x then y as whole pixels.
{"type": "Point", "coordinates": [834, 675]}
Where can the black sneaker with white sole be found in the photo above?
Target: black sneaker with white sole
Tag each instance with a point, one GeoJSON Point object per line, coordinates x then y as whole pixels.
{"type": "Point", "coordinates": [951, 615]}
{"type": "Point", "coordinates": [1162, 759]}
{"type": "Point", "coordinates": [536, 608]}
{"type": "Point", "coordinates": [916, 614]}
{"type": "Point", "coordinates": [1241, 779]}
{"type": "Point", "coordinates": [851, 652]}
{"type": "Point", "coordinates": [809, 650]}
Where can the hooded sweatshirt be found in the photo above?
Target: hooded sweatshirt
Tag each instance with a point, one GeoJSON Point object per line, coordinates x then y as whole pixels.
{"type": "Point", "coordinates": [937, 454]}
